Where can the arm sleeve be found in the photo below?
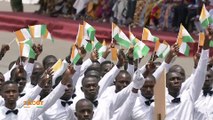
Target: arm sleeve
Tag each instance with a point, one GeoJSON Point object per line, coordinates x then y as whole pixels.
{"type": "Point", "coordinates": [49, 100]}
{"type": "Point", "coordinates": [76, 74]}
{"type": "Point", "coordinates": [199, 76]}
{"type": "Point", "coordinates": [84, 66]}
{"type": "Point", "coordinates": [125, 110]}
{"type": "Point", "coordinates": [29, 69]}
{"type": "Point", "coordinates": [160, 69]}
{"type": "Point", "coordinates": [30, 95]}
{"type": "Point", "coordinates": [130, 69]}
{"type": "Point", "coordinates": [101, 59]}
{"type": "Point", "coordinates": [108, 79]}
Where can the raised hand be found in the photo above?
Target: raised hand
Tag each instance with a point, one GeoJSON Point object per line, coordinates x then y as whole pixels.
{"type": "Point", "coordinates": [196, 58]}
{"type": "Point", "coordinates": [67, 75]}
{"type": "Point", "coordinates": [138, 80]}
{"type": "Point", "coordinates": [94, 55]}
{"type": "Point", "coordinates": [172, 53]}
{"type": "Point", "coordinates": [108, 50]}
{"type": "Point", "coordinates": [208, 37]}
{"type": "Point", "coordinates": [121, 58]}
{"type": "Point", "coordinates": [4, 49]}
{"type": "Point", "coordinates": [130, 56]}
{"type": "Point", "coordinates": [46, 77]}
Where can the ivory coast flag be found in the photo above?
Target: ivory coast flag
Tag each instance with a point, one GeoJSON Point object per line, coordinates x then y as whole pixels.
{"type": "Point", "coordinates": [184, 35]}
{"type": "Point", "coordinates": [97, 44]}
{"type": "Point", "coordinates": [37, 31]}
{"type": "Point", "coordinates": [57, 66]}
{"type": "Point", "coordinates": [201, 38]}
{"type": "Point", "coordinates": [205, 18]}
{"type": "Point", "coordinates": [114, 52]}
{"type": "Point", "coordinates": [120, 37]}
{"type": "Point", "coordinates": [75, 56]}
{"type": "Point", "coordinates": [146, 35]}
{"type": "Point", "coordinates": [87, 45]}
{"type": "Point", "coordinates": [23, 34]}
{"type": "Point", "coordinates": [184, 48]}
{"type": "Point", "coordinates": [102, 49]}
{"type": "Point", "coordinates": [25, 49]}
{"type": "Point", "coordinates": [79, 36]}
{"type": "Point", "coordinates": [133, 39]}
{"type": "Point", "coordinates": [89, 31]}
{"type": "Point", "coordinates": [140, 50]}
{"type": "Point", "coordinates": [160, 48]}
{"type": "Point", "coordinates": [48, 36]}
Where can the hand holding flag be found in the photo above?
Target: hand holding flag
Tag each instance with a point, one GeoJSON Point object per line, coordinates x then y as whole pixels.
{"type": "Point", "coordinates": [121, 58]}
{"type": "Point", "coordinates": [172, 53]}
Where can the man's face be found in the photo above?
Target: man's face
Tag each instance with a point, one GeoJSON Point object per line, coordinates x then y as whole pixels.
{"type": "Point", "coordinates": [84, 111]}
{"type": "Point", "coordinates": [106, 68]}
{"type": "Point", "coordinates": [90, 88]}
{"type": "Point", "coordinates": [122, 80]}
{"type": "Point", "coordinates": [68, 91]}
{"type": "Point", "coordinates": [10, 93]}
{"type": "Point", "coordinates": [47, 88]}
{"type": "Point", "coordinates": [147, 90]}
{"type": "Point", "coordinates": [1, 81]}
{"type": "Point", "coordinates": [21, 79]}
{"type": "Point", "coordinates": [174, 81]}
{"type": "Point", "coordinates": [209, 81]}
{"type": "Point", "coordinates": [36, 75]}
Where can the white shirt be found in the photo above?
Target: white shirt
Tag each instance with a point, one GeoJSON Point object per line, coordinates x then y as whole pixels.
{"type": "Point", "coordinates": [32, 113]}
{"type": "Point", "coordinates": [59, 112]}
{"type": "Point", "coordinates": [141, 111]}
{"type": "Point", "coordinates": [123, 111]}
{"type": "Point", "coordinates": [184, 110]}
{"type": "Point", "coordinates": [203, 107]}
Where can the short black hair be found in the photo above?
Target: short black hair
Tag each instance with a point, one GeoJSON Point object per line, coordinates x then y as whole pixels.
{"type": "Point", "coordinates": [92, 76]}
{"type": "Point", "coordinates": [123, 72]}
{"type": "Point", "coordinates": [8, 82]}
{"type": "Point", "coordinates": [12, 74]}
{"type": "Point", "coordinates": [106, 62]}
{"type": "Point", "coordinates": [46, 59]}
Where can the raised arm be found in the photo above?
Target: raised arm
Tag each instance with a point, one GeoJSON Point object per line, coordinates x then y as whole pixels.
{"type": "Point", "coordinates": [200, 72]}
{"type": "Point", "coordinates": [109, 77]}
{"type": "Point", "coordinates": [55, 94]}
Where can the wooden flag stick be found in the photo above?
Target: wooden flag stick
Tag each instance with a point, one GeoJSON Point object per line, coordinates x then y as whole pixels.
{"type": "Point", "coordinates": [160, 97]}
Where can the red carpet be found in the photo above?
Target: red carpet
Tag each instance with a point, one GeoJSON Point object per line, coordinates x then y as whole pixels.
{"type": "Point", "coordinates": [66, 29]}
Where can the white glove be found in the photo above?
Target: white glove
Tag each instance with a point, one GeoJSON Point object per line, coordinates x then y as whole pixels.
{"type": "Point", "coordinates": [138, 80]}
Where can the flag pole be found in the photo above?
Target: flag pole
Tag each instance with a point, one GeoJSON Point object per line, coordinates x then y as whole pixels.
{"type": "Point", "coordinates": [11, 41]}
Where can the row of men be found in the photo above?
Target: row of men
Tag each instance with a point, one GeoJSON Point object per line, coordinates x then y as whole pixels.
{"type": "Point", "coordinates": [97, 89]}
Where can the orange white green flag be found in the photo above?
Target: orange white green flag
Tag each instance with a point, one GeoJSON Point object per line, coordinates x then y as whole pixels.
{"type": "Point", "coordinates": [184, 35]}
{"type": "Point", "coordinates": [132, 38]}
{"type": "Point", "coordinates": [146, 35]}
{"type": "Point", "coordinates": [97, 44]}
{"type": "Point", "coordinates": [120, 37]}
{"type": "Point", "coordinates": [102, 49]}
{"type": "Point", "coordinates": [205, 18]}
{"type": "Point", "coordinates": [37, 31]}
{"type": "Point", "coordinates": [140, 50]}
{"type": "Point", "coordinates": [23, 34]}
{"type": "Point", "coordinates": [162, 49]}
{"type": "Point", "coordinates": [89, 31]}
{"type": "Point", "coordinates": [75, 56]}
{"type": "Point", "coordinates": [25, 49]}
{"type": "Point", "coordinates": [184, 48]}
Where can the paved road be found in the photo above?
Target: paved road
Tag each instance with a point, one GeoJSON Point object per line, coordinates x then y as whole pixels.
{"type": "Point", "coordinates": [60, 48]}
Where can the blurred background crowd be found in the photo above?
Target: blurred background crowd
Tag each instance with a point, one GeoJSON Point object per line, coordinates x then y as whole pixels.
{"type": "Point", "coordinates": [164, 15]}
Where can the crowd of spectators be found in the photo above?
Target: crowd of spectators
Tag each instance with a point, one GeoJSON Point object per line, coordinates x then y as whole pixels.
{"type": "Point", "coordinates": [164, 15]}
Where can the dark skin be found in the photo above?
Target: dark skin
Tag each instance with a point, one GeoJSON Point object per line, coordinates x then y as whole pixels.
{"type": "Point", "coordinates": [68, 91]}
{"type": "Point", "coordinates": [106, 68]}
{"type": "Point", "coordinates": [209, 81]}
{"type": "Point", "coordinates": [178, 69]}
{"type": "Point", "coordinates": [147, 90]}
{"type": "Point", "coordinates": [1, 81]}
{"type": "Point", "coordinates": [90, 88]}
{"type": "Point", "coordinates": [121, 81]}
{"type": "Point", "coordinates": [10, 93]}
{"type": "Point", "coordinates": [174, 82]}
{"type": "Point", "coordinates": [84, 110]}
{"type": "Point", "coordinates": [36, 73]}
